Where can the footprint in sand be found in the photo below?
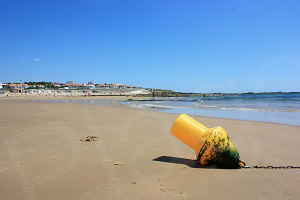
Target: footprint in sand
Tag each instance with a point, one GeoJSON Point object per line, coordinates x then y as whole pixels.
{"type": "Point", "coordinates": [119, 163]}
{"type": "Point", "coordinates": [164, 188]}
{"type": "Point", "coordinates": [89, 139]}
{"type": "Point", "coordinates": [174, 193]}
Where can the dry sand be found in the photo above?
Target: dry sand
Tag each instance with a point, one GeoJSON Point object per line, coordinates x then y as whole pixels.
{"type": "Point", "coordinates": [44, 155]}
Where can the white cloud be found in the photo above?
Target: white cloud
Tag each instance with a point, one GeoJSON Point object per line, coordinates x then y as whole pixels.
{"type": "Point", "coordinates": [36, 60]}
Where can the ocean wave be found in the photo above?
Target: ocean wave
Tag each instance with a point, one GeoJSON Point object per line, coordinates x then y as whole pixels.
{"type": "Point", "coordinates": [252, 109]}
{"type": "Point", "coordinates": [161, 106]}
{"type": "Point", "coordinates": [287, 99]}
{"type": "Point", "coordinates": [209, 106]}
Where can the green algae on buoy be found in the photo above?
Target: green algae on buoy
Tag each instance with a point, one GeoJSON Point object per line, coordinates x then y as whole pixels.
{"type": "Point", "coordinates": [212, 145]}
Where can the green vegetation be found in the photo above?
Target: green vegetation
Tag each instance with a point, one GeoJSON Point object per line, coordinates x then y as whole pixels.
{"type": "Point", "coordinates": [36, 85]}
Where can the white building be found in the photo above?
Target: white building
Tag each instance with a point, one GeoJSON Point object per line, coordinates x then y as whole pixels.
{"type": "Point", "coordinates": [3, 86]}
{"type": "Point", "coordinates": [117, 86]}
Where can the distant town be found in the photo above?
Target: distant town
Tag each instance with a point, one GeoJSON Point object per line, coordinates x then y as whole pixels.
{"type": "Point", "coordinates": [70, 88]}
{"type": "Point", "coordinates": [78, 89]}
{"type": "Point", "coordinates": [19, 87]}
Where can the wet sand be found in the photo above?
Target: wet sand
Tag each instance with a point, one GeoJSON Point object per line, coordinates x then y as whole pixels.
{"type": "Point", "coordinates": [44, 155]}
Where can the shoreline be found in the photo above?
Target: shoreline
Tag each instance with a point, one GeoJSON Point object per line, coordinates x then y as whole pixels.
{"type": "Point", "coordinates": [115, 99]}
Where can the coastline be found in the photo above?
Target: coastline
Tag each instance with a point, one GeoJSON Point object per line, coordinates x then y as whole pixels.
{"type": "Point", "coordinates": [134, 155]}
{"type": "Point", "coordinates": [284, 118]}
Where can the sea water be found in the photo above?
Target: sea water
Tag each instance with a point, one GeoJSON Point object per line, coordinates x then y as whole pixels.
{"type": "Point", "coordinates": [276, 108]}
{"type": "Point", "coordinates": [281, 108]}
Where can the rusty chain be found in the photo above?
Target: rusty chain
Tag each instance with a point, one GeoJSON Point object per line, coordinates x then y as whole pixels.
{"type": "Point", "coordinates": [270, 167]}
{"type": "Point", "coordinates": [267, 167]}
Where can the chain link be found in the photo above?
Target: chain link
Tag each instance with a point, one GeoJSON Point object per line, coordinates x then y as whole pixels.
{"type": "Point", "coordinates": [266, 167]}
{"type": "Point", "coordinates": [270, 167]}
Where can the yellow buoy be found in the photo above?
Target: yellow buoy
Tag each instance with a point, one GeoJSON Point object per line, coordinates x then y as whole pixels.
{"type": "Point", "coordinates": [212, 145]}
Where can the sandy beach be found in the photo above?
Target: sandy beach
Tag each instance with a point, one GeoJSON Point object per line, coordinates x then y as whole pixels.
{"type": "Point", "coordinates": [44, 155]}
{"type": "Point", "coordinates": [33, 97]}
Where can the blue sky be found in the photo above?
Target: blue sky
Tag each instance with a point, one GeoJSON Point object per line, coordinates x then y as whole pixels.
{"type": "Point", "coordinates": [192, 46]}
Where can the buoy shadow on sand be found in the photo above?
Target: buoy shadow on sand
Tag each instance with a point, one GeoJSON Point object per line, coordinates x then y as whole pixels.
{"type": "Point", "coordinates": [184, 161]}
